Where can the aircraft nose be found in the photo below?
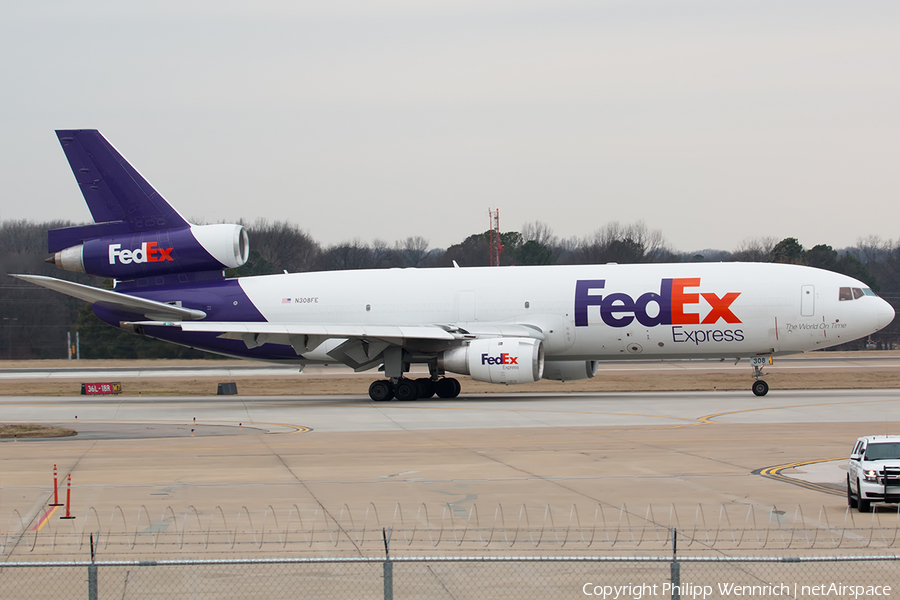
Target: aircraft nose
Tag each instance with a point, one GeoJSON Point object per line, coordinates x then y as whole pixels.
{"type": "Point", "coordinates": [885, 314]}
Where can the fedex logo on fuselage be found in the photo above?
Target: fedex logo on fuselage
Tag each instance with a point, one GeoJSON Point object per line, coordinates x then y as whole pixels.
{"type": "Point", "coordinates": [148, 252]}
{"type": "Point", "coordinates": [672, 305]}
{"type": "Point", "coordinates": [503, 359]}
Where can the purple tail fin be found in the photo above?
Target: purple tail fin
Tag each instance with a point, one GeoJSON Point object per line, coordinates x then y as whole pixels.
{"type": "Point", "coordinates": [119, 198]}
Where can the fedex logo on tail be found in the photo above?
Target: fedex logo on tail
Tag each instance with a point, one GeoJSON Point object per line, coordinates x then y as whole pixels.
{"type": "Point", "coordinates": [503, 359]}
{"type": "Point", "coordinates": [148, 252]}
{"type": "Point", "coordinates": [673, 305]}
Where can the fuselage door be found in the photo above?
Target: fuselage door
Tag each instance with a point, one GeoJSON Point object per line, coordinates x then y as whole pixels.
{"type": "Point", "coordinates": [466, 306]}
{"type": "Point", "coordinates": [807, 300]}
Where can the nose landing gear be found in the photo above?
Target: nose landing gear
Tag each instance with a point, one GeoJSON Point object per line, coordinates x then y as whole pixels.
{"type": "Point", "coordinates": [760, 387]}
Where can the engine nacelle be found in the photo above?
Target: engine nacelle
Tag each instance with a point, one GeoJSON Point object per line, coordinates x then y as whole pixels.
{"type": "Point", "coordinates": [159, 252]}
{"type": "Point", "coordinates": [497, 360]}
{"type": "Point", "coordinates": [570, 370]}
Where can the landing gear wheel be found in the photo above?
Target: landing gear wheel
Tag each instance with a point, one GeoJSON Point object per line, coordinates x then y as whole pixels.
{"type": "Point", "coordinates": [447, 387]}
{"type": "Point", "coordinates": [862, 505]}
{"type": "Point", "coordinates": [425, 387]}
{"type": "Point", "coordinates": [381, 390]}
{"type": "Point", "coordinates": [406, 389]}
{"type": "Point", "coordinates": [760, 387]}
{"type": "Point", "coordinates": [851, 501]}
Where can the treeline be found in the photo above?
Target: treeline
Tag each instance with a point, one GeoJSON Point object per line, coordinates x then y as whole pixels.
{"type": "Point", "coordinates": [35, 322]}
{"type": "Point", "coordinates": [280, 246]}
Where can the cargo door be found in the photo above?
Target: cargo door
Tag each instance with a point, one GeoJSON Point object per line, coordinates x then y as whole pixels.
{"type": "Point", "coordinates": [466, 307]}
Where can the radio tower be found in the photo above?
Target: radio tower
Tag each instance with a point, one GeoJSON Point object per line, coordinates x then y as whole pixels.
{"type": "Point", "coordinates": [496, 246]}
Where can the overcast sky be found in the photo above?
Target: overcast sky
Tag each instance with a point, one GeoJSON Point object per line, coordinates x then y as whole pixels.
{"type": "Point", "coordinates": [712, 121]}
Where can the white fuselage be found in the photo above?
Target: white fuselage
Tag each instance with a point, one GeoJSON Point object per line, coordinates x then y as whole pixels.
{"type": "Point", "coordinates": [618, 311]}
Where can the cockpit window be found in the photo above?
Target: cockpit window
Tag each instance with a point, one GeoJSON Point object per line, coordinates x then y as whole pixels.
{"type": "Point", "coordinates": [848, 293]}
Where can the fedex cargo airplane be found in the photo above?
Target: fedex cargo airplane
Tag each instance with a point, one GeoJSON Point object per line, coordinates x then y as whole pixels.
{"type": "Point", "coordinates": [500, 325]}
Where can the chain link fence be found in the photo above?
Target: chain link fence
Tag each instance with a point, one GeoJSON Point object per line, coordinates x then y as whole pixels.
{"type": "Point", "coordinates": [458, 578]}
{"type": "Point", "coordinates": [417, 530]}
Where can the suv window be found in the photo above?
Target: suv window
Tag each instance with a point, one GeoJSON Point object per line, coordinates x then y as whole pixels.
{"type": "Point", "coordinates": [883, 451]}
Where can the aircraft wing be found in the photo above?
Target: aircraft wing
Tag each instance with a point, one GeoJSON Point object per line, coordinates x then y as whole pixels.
{"type": "Point", "coordinates": [149, 308]}
{"type": "Point", "coordinates": [448, 332]}
{"type": "Point", "coordinates": [361, 346]}
{"type": "Point", "coordinates": [328, 331]}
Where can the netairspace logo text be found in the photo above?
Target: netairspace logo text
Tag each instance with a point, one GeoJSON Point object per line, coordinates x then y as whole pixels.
{"type": "Point", "coordinates": [696, 592]}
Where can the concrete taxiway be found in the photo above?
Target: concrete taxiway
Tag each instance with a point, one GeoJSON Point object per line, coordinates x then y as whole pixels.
{"type": "Point", "coordinates": [340, 453]}
{"type": "Point", "coordinates": [842, 361]}
{"type": "Point", "coordinates": [355, 414]}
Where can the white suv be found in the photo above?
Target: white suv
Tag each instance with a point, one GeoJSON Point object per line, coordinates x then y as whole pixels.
{"type": "Point", "coordinates": [874, 471]}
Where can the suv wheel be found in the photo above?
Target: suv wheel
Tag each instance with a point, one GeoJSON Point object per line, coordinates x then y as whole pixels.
{"type": "Point", "coordinates": [862, 505]}
{"type": "Point", "coordinates": [851, 501]}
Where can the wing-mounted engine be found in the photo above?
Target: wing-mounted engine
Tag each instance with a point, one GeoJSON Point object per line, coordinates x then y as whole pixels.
{"type": "Point", "coordinates": [158, 252]}
{"type": "Point", "coordinates": [570, 370]}
{"type": "Point", "coordinates": [497, 360]}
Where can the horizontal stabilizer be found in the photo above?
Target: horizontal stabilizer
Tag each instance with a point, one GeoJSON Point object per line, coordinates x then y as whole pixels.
{"type": "Point", "coordinates": [149, 308]}
{"type": "Point", "coordinates": [66, 237]}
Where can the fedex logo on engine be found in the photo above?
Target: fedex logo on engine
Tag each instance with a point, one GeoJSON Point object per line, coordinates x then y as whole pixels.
{"type": "Point", "coordinates": [148, 252]}
{"type": "Point", "coordinates": [503, 359]}
{"type": "Point", "coordinates": [671, 306]}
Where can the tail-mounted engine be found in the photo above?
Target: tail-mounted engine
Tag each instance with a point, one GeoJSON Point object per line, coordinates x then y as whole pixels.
{"type": "Point", "coordinates": [158, 252]}
{"type": "Point", "coordinates": [570, 370]}
{"type": "Point", "coordinates": [497, 360]}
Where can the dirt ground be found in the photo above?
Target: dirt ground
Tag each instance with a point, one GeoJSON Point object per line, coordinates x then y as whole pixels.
{"type": "Point", "coordinates": [698, 377]}
{"type": "Point", "coordinates": [33, 431]}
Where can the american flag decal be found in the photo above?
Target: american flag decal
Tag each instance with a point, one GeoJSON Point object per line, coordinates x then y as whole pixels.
{"type": "Point", "coordinates": [285, 300]}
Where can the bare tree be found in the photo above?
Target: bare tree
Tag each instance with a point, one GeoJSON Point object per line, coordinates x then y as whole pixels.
{"type": "Point", "coordinates": [284, 245]}
{"type": "Point", "coordinates": [755, 249]}
{"type": "Point", "coordinates": [540, 232]}
{"type": "Point", "coordinates": [412, 251]}
{"type": "Point", "coordinates": [633, 243]}
{"type": "Point", "coordinates": [383, 256]}
{"type": "Point", "coordinates": [349, 255]}
{"type": "Point", "coordinates": [871, 249]}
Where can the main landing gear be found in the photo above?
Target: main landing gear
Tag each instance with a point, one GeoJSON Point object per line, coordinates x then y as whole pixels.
{"type": "Point", "coordinates": [396, 363]}
{"type": "Point", "coordinates": [413, 389]}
